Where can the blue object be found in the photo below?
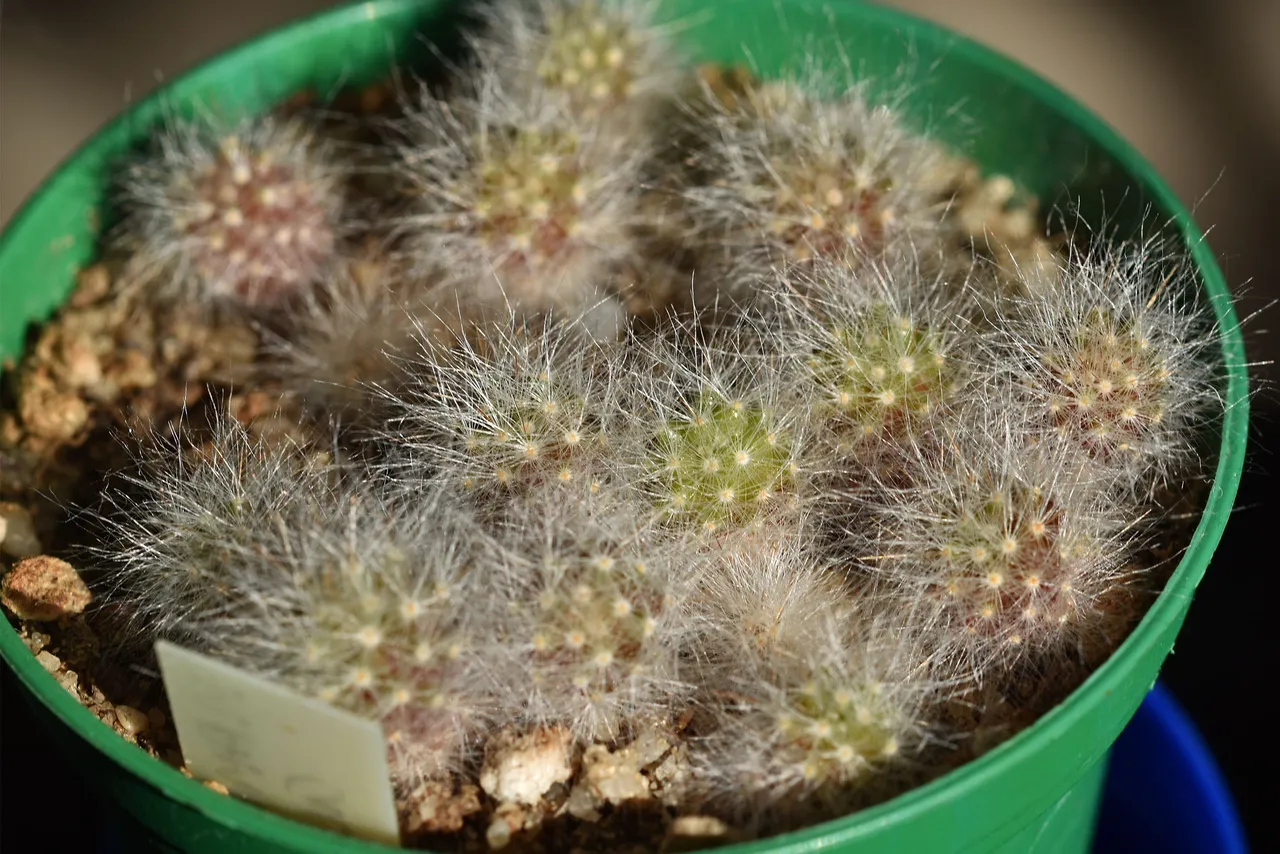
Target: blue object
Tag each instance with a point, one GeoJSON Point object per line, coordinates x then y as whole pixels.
{"type": "Point", "coordinates": [1164, 793]}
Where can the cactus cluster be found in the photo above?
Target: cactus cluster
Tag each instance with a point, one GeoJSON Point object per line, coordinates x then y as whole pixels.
{"type": "Point", "coordinates": [787, 532]}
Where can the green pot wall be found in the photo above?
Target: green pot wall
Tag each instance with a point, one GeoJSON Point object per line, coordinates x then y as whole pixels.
{"type": "Point", "coordinates": [1036, 793]}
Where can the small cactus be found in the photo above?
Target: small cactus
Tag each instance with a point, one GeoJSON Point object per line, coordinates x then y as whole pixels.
{"type": "Point", "coordinates": [767, 592]}
{"type": "Point", "coordinates": [515, 408]}
{"type": "Point", "coordinates": [1113, 361]}
{"type": "Point", "coordinates": [248, 216]}
{"type": "Point", "coordinates": [718, 448]}
{"type": "Point", "coordinates": [604, 61]}
{"type": "Point", "coordinates": [881, 347]}
{"type": "Point", "coordinates": [820, 732]}
{"type": "Point", "coordinates": [841, 727]}
{"type": "Point", "coordinates": [376, 626]}
{"type": "Point", "coordinates": [595, 623]}
{"type": "Point", "coordinates": [516, 206]}
{"type": "Point", "coordinates": [1000, 552]}
{"type": "Point", "coordinates": [182, 527]}
{"type": "Point", "coordinates": [723, 462]}
{"type": "Point", "coordinates": [790, 178]}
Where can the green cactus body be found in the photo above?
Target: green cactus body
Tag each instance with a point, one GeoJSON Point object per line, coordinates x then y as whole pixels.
{"type": "Point", "coordinates": [725, 464]}
{"type": "Point", "coordinates": [591, 55]}
{"type": "Point", "coordinates": [882, 372]}
{"type": "Point", "coordinates": [838, 729]}
{"type": "Point", "coordinates": [1010, 566]}
{"type": "Point", "coordinates": [1108, 388]}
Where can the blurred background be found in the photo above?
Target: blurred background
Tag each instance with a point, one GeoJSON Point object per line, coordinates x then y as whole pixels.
{"type": "Point", "coordinates": [1194, 84]}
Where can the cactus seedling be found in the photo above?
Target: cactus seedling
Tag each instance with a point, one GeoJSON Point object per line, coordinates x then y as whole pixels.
{"type": "Point", "coordinates": [189, 520]}
{"type": "Point", "coordinates": [1112, 360]}
{"type": "Point", "coordinates": [376, 627]}
{"type": "Point", "coordinates": [352, 336]}
{"type": "Point", "coordinates": [594, 622]}
{"type": "Point", "coordinates": [723, 463]}
{"type": "Point", "coordinates": [881, 371]}
{"type": "Point", "coordinates": [766, 592]}
{"type": "Point", "coordinates": [249, 216]}
{"type": "Point", "coordinates": [517, 407]}
{"type": "Point", "coordinates": [839, 727]}
{"type": "Point", "coordinates": [604, 61]}
{"type": "Point", "coordinates": [516, 205]}
{"type": "Point", "coordinates": [1010, 551]}
{"type": "Point", "coordinates": [791, 178]}
{"type": "Point", "coordinates": [719, 447]}
{"type": "Point", "coordinates": [824, 728]}
{"type": "Point", "coordinates": [879, 343]}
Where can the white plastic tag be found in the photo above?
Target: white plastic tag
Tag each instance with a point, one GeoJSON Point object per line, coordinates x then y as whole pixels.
{"type": "Point", "coordinates": [287, 752]}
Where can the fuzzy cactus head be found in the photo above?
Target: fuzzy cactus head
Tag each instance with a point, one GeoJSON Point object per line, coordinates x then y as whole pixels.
{"type": "Point", "coordinates": [882, 355]}
{"type": "Point", "coordinates": [529, 195]}
{"type": "Point", "coordinates": [836, 729]}
{"type": "Point", "coordinates": [1003, 552]}
{"type": "Point", "coordinates": [346, 345]}
{"type": "Point", "coordinates": [1112, 361]}
{"type": "Point", "coordinates": [716, 446]}
{"type": "Point", "coordinates": [881, 371]}
{"type": "Point", "coordinates": [538, 437]}
{"type": "Point", "coordinates": [514, 205]}
{"type": "Point", "coordinates": [1109, 383]}
{"type": "Point", "coordinates": [604, 61]}
{"type": "Point", "coordinates": [377, 627]}
{"type": "Point", "coordinates": [249, 216]}
{"type": "Point", "coordinates": [821, 730]}
{"type": "Point", "coordinates": [791, 177]}
{"type": "Point", "coordinates": [724, 463]}
{"type": "Point", "coordinates": [186, 524]}
{"type": "Point", "coordinates": [1008, 561]}
{"type": "Point", "coordinates": [594, 610]}
{"type": "Point", "coordinates": [599, 55]}
{"type": "Point", "coordinates": [514, 408]}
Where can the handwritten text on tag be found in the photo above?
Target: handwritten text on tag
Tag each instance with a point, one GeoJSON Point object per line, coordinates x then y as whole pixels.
{"type": "Point", "coordinates": [285, 751]}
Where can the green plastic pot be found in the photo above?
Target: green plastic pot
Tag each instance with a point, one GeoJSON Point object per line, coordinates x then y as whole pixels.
{"type": "Point", "coordinates": [1036, 793]}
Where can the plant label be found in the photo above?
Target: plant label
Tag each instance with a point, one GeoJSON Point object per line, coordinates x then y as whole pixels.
{"type": "Point", "coordinates": [290, 753]}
